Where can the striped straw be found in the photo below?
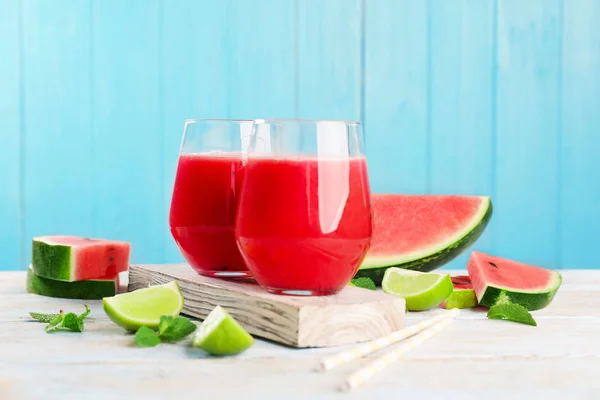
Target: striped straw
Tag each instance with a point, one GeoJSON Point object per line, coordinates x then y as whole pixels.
{"type": "Point", "coordinates": [380, 363]}
{"type": "Point", "coordinates": [369, 347]}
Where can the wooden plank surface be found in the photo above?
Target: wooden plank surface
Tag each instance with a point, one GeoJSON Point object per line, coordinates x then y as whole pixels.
{"type": "Point", "coordinates": [528, 109]}
{"type": "Point", "coordinates": [57, 103]}
{"type": "Point", "coordinates": [351, 316]}
{"type": "Point", "coordinates": [126, 131]}
{"type": "Point", "coordinates": [473, 358]}
{"type": "Point", "coordinates": [11, 128]}
{"type": "Point", "coordinates": [579, 145]}
{"type": "Point", "coordinates": [192, 85]}
{"type": "Point", "coordinates": [396, 95]}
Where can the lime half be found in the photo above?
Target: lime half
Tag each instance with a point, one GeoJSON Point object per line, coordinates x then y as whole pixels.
{"type": "Point", "coordinates": [221, 335]}
{"type": "Point", "coordinates": [144, 307]}
{"type": "Point", "coordinates": [420, 290]}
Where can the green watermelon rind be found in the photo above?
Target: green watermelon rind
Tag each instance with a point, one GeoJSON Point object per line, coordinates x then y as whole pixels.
{"type": "Point", "coordinates": [52, 261]}
{"type": "Point", "coordinates": [532, 300]}
{"type": "Point", "coordinates": [375, 268]}
{"type": "Point", "coordinates": [84, 290]}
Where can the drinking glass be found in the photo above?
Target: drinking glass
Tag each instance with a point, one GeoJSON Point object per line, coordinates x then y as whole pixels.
{"type": "Point", "coordinates": [304, 212]}
{"type": "Point", "coordinates": [205, 195]}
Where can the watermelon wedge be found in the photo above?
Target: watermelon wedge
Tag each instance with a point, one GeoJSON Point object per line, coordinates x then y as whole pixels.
{"type": "Point", "coordinates": [530, 286]}
{"type": "Point", "coordinates": [422, 232]}
{"type": "Point", "coordinates": [71, 258]}
{"type": "Point", "coordinates": [463, 295]}
{"type": "Point", "coordinates": [86, 290]}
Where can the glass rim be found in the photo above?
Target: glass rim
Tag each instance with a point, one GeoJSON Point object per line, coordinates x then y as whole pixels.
{"type": "Point", "coordinates": [348, 122]}
{"type": "Point", "coordinates": [194, 120]}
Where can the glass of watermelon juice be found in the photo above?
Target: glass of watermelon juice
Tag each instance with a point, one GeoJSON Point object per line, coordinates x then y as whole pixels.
{"type": "Point", "coordinates": [205, 195]}
{"type": "Point", "coordinates": [304, 212]}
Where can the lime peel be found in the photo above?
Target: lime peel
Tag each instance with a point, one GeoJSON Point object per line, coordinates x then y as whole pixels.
{"type": "Point", "coordinates": [144, 307]}
{"type": "Point", "coordinates": [220, 334]}
{"type": "Point", "coordinates": [421, 290]}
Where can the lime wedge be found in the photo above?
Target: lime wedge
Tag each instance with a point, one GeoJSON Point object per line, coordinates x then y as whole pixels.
{"type": "Point", "coordinates": [420, 290]}
{"type": "Point", "coordinates": [221, 335]}
{"type": "Point", "coordinates": [144, 307]}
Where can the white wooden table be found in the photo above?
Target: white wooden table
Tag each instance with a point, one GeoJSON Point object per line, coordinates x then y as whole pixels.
{"type": "Point", "coordinates": [473, 358]}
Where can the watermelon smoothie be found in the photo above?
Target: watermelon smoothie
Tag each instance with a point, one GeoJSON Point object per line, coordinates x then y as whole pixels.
{"type": "Point", "coordinates": [203, 210]}
{"type": "Point", "coordinates": [304, 223]}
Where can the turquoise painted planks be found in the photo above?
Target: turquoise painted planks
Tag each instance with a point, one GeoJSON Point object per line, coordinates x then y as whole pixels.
{"type": "Point", "coordinates": [261, 59]}
{"type": "Point", "coordinates": [10, 129]}
{"type": "Point", "coordinates": [127, 157]}
{"type": "Point", "coordinates": [57, 109]}
{"type": "Point", "coordinates": [579, 211]}
{"type": "Point", "coordinates": [462, 107]}
{"type": "Point", "coordinates": [396, 95]}
{"type": "Point", "coordinates": [329, 59]}
{"type": "Point", "coordinates": [195, 82]}
{"type": "Point", "coordinates": [528, 109]}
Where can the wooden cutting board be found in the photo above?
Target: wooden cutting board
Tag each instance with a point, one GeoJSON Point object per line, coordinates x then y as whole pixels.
{"type": "Point", "coordinates": [351, 316]}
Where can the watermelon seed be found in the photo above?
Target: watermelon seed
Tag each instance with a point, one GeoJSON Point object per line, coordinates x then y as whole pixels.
{"type": "Point", "coordinates": [492, 264]}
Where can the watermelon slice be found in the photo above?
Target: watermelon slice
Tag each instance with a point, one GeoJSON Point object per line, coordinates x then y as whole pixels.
{"type": "Point", "coordinates": [71, 258]}
{"type": "Point", "coordinates": [86, 290]}
{"type": "Point", "coordinates": [463, 295]}
{"type": "Point", "coordinates": [530, 286]}
{"type": "Point", "coordinates": [422, 232]}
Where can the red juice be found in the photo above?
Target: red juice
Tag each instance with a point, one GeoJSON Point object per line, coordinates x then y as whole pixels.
{"type": "Point", "coordinates": [203, 210]}
{"type": "Point", "coordinates": [304, 225]}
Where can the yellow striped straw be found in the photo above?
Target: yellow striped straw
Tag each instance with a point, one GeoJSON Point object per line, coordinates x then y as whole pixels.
{"type": "Point", "coordinates": [369, 347]}
{"type": "Point", "coordinates": [380, 363]}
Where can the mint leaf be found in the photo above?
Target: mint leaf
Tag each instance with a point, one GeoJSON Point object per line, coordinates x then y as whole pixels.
{"type": "Point", "coordinates": [511, 312]}
{"type": "Point", "coordinates": [363, 282]}
{"type": "Point", "coordinates": [55, 323]}
{"type": "Point", "coordinates": [47, 318]}
{"type": "Point", "coordinates": [177, 328]}
{"type": "Point", "coordinates": [165, 322]}
{"type": "Point", "coordinates": [146, 337]}
{"type": "Point", "coordinates": [72, 322]}
{"type": "Point", "coordinates": [85, 313]}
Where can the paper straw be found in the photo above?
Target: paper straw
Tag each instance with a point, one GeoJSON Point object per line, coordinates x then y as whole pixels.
{"type": "Point", "coordinates": [380, 363]}
{"type": "Point", "coordinates": [378, 344]}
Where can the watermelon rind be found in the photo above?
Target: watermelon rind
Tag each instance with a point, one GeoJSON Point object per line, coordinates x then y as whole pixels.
{"type": "Point", "coordinates": [85, 290]}
{"type": "Point", "coordinates": [433, 257]}
{"type": "Point", "coordinates": [52, 260]}
{"type": "Point", "coordinates": [532, 299]}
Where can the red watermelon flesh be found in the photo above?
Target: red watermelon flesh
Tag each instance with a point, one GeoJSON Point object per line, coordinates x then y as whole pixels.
{"type": "Point", "coordinates": [531, 286]}
{"type": "Point", "coordinates": [72, 258]}
{"type": "Point", "coordinates": [462, 282]}
{"type": "Point", "coordinates": [422, 232]}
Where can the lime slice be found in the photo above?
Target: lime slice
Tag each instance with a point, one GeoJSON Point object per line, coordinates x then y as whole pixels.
{"type": "Point", "coordinates": [221, 335]}
{"type": "Point", "coordinates": [144, 307]}
{"type": "Point", "coordinates": [421, 290]}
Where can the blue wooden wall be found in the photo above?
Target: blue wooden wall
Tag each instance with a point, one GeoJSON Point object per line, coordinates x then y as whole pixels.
{"type": "Point", "coordinates": [498, 97]}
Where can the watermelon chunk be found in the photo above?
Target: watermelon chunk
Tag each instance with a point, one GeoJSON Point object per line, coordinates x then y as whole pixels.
{"type": "Point", "coordinates": [86, 290]}
{"type": "Point", "coordinates": [463, 295]}
{"type": "Point", "coordinates": [530, 286]}
{"type": "Point", "coordinates": [71, 258]}
{"type": "Point", "coordinates": [422, 232]}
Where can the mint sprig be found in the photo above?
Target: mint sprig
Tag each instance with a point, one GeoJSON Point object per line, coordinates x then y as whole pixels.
{"type": "Point", "coordinates": [47, 318]}
{"type": "Point", "coordinates": [169, 330]}
{"type": "Point", "coordinates": [61, 321]}
{"type": "Point", "coordinates": [363, 282]}
{"type": "Point", "coordinates": [504, 309]}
